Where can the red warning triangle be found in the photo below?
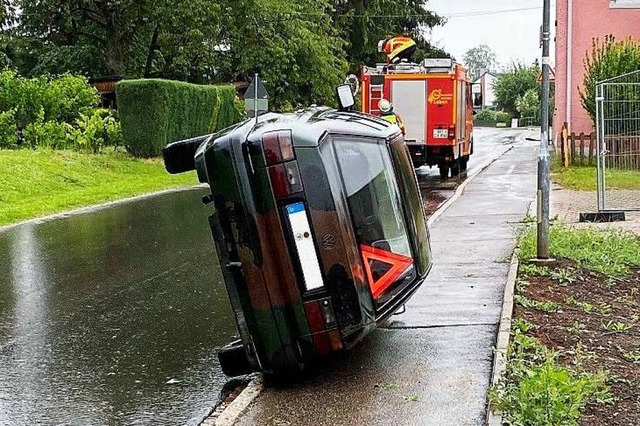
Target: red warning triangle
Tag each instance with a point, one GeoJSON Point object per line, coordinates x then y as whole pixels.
{"type": "Point", "coordinates": [399, 263]}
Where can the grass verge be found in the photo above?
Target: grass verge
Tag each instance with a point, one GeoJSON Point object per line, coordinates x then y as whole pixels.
{"type": "Point", "coordinates": [574, 356]}
{"type": "Point", "coordinates": [583, 178]}
{"type": "Point", "coordinates": [38, 183]}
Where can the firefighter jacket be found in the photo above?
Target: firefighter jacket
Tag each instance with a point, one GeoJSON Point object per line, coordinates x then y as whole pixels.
{"type": "Point", "coordinates": [394, 118]}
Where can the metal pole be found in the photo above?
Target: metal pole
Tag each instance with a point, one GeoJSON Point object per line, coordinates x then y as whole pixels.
{"type": "Point", "coordinates": [543, 156]}
{"type": "Point", "coordinates": [255, 97]}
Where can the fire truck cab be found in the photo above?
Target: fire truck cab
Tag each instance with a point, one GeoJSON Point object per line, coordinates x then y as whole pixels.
{"type": "Point", "coordinates": [434, 100]}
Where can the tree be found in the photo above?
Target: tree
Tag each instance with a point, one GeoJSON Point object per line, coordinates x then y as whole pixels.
{"type": "Point", "coordinates": [362, 23]}
{"type": "Point", "coordinates": [528, 105]}
{"type": "Point", "coordinates": [514, 84]}
{"type": "Point", "coordinates": [111, 36]}
{"type": "Point", "coordinates": [478, 59]}
{"type": "Point", "coordinates": [607, 59]}
{"type": "Point", "coordinates": [301, 48]}
{"type": "Point", "coordinates": [292, 44]}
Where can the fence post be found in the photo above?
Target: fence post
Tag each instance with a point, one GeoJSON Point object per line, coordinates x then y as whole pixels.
{"type": "Point", "coordinates": [572, 139]}
{"type": "Point", "coordinates": [581, 148]}
{"type": "Point", "coordinates": [563, 145]}
{"type": "Point", "coordinates": [592, 139]}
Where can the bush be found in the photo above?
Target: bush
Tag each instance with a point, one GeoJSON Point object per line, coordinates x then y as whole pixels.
{"type": "Point", "coordinates": [503, 117]}
{"type": "Point", "coordinates": [485, 115]}
{"type": "Point", "coordinates": [607, 59]}
{"type": "Point", "coordinates": [60, 99]}
{"type": "Point", "coordinates": [155, 112]}
{"type": "Point", "coordinates": [8, 129]}
{"type": "Point", "coordinates": [48, 134]}
{"type": "Point", "coordinates": [90, 132]}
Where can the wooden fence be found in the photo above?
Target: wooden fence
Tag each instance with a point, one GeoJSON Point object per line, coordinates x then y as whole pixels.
{"type": "Point", "coordinates": [622, 152]}
{"type": "Point", "coordinates": [578, 150]}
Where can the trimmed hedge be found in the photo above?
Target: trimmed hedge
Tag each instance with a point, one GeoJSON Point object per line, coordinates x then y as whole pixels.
{"type": "Point", "coordinates": [156, 112]}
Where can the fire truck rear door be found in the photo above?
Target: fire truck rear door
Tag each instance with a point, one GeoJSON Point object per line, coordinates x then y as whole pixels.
{"type": "Point", "coordinates": [409, 99]}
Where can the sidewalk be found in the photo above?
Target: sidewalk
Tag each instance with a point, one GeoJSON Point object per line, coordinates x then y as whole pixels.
{"type": "Point", "coordinates": [567, 205]}
{"type": "Point", "coordinates": [432, 364]}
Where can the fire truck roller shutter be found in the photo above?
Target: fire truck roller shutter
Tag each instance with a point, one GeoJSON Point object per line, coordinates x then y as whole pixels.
{"type": "Point", "coordinates": [409, 101]}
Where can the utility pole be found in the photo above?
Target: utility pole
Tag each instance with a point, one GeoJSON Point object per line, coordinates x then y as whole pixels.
{"type": "Point", "coordinates": [543, 156]}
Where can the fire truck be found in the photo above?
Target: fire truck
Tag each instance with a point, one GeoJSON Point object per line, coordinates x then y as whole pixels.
{"type": "Point", "coordinates": [434, 100]}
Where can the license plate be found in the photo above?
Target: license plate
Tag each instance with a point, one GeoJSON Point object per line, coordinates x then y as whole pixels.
{"type": "Point", "coordinates": [440, 133]}
{"type": "Point", "coordinates": [297, 215]}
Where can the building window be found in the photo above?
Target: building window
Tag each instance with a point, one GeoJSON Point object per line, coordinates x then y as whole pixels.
{"type": "Point", "coordinates": [624, 4]}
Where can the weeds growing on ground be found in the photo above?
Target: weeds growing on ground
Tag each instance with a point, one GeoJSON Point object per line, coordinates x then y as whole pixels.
{"type": "Point", "coordinates": [611, 253]}
{"type": "Point", "coordinates": [539, 391]}
{"type": "Point", "coordinates": [616, 327]}
{"type": "Point", "coordinates": [529, 269]}
{"type": "Point", "coordinates": [544, 306]}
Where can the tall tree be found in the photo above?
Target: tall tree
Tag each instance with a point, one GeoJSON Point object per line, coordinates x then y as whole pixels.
{"type": "Point", "coordinates": [362, 23]}
{"type": "Point", "coordinates": [478, 59]}
{"type": "Point", "coordinates": [292, 44]}
{"type": "Point", "coordinates": [514, 84]}
{"type": "Point", "coordinates": [113, 36]}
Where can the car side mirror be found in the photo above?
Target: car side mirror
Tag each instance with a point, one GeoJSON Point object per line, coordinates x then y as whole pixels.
{"type": "Point", "coordinates": [346, 101]}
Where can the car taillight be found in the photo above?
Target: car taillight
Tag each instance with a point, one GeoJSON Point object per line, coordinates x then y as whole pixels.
{"type": "Point", "coordinates": [277, 147]}
{"type": "Point", "coordinates": [452, 131]}
{"type": "Point", "coordinates": [320, 315]}
{"type": "Point", "coordinates": [322, 324]}
{"type": "Point", "coordinates": [280, 159]}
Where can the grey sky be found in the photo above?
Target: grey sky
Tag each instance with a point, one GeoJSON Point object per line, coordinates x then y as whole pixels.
{"type": "Point", "coordinates": [510, 27]}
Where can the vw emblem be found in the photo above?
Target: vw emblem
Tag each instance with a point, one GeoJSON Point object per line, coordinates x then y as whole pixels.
{"type": "Point", "coordinates": [328, 242]}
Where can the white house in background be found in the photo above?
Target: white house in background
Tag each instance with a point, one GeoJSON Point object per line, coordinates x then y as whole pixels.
{"type": "Point", "coordinates": [483, 85]}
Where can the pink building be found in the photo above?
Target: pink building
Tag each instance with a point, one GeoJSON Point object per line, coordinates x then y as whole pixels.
{"type": "Point", "coordinates": [585, 20]}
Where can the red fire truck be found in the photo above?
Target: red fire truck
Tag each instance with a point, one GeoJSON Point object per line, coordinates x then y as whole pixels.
{"type": "Point", "coordinates": [433, 98]}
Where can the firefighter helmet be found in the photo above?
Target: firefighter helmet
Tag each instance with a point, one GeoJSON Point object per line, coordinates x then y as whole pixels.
{"type": "Point", "coordinates": [384, 105]}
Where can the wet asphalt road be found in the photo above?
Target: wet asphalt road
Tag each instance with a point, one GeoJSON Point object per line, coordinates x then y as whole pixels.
{"type": "Point", "coordinates": [99, 311]}
{"type": "Point", "coordinates": [114, 316]}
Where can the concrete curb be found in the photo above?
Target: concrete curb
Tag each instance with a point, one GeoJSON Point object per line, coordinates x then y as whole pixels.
{"type": "Point", "coordinates": [458, 193]}
{"type": "Point", "coordinates": [98, 207]}
{"type": "Point", "coordinates": [504, 333]}
{"type": "Point", "coordinates": [230, 414]}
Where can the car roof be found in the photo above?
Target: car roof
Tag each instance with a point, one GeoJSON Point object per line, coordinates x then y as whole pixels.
{"type": "Point", "coordinates": [310, 125]}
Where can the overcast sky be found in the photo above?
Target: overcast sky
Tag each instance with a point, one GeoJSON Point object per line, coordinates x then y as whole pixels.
{"type": "Point", "coordinates": [510, 27]}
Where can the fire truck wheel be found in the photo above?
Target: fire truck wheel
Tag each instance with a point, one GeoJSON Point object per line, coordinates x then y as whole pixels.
{"type": "Point", "coordinates": [463, 164]}
{"type": "Point", "coordinates": [444, 171]}
{"type": "Point", "coordinates": [455, 168]}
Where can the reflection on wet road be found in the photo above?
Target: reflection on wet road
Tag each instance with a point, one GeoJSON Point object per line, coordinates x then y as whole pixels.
{"type": "Point", "coordinates": [488, 145]}
{"type": "Point", "coordinates": [112, 317]}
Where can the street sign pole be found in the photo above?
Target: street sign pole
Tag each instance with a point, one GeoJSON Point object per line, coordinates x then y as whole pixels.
{"type": "Point", "coordinates": [256, 101]}
{"type": "Point", "coordinates": [255, 96]}
{"type": "Point", "coordinates": [543, 156]}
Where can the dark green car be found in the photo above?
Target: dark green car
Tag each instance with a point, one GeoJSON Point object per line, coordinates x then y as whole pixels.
{"type": "Point", "coordinates": [319, 227]}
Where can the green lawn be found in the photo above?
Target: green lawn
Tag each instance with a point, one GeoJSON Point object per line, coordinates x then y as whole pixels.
{"type": "Point", "coordinates": [38, 183]}
{"type": "Point", "coordinates": [583, 178]}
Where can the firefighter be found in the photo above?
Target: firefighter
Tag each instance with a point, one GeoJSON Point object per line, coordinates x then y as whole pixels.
{"type": "Point", "coordinates": [397, 48]}
{"type": "Point", "coordinates": [386, 112]}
